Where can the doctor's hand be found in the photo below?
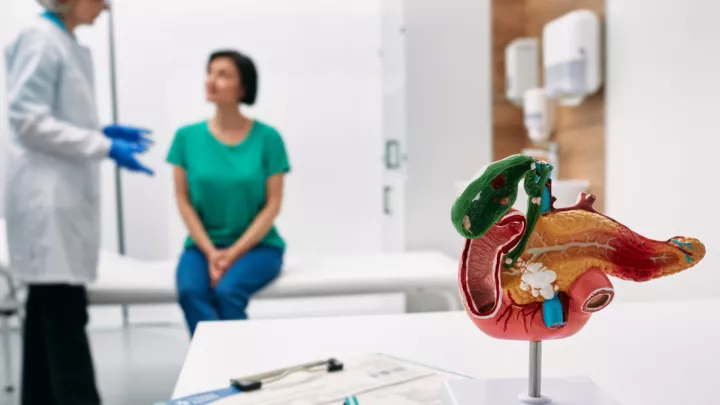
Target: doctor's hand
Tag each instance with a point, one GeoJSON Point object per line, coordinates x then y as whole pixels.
{"type": "Point", "coordinates": [129, 134]}
{"type": "Point", "coordinates": [123, 153]}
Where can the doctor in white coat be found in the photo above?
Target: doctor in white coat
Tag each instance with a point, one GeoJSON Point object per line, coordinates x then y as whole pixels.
{"type": "Point", "coordinates": [53, 201]}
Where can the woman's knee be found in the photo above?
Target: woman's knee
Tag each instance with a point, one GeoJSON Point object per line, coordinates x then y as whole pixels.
{"type": "Point", "coordinates": [265, 263]}
{"type": "Point", "coordinates": [192, 279]}
{"type": "Point", "coordinates": [188, 293]}
{"type": "Point", "coordinates": [228, 292]}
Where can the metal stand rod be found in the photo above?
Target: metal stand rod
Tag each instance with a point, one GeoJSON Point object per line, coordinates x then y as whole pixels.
{"type": "Point", "coordinates": [8, 387]}
{"type": "Point", "coordinates": [114, 104]}
{"type": "Point", "coordinates": [125, 316]}
{"type": "Point", "coordinates": [534, 382]}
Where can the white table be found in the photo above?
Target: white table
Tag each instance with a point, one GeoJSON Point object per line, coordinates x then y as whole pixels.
{"type": "Point", "coordinates": [639, 353]}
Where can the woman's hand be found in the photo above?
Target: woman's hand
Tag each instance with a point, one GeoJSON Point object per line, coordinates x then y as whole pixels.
{"type": "Point", "coordinates": [223, 260]}
{"type": "Point", "coordinates": [218, 263]}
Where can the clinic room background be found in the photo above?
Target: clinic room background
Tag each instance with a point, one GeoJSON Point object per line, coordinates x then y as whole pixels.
{"type": "Point", "coordinates": [380, 130]}
{"type": "Point", "coordinates": [387, 108]}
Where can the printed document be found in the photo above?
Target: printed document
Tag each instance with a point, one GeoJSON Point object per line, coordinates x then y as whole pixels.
{"type": "Point", "coordinates": [374, 380]}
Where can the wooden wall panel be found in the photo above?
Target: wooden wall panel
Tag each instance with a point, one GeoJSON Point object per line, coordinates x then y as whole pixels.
{"type": "Point", "coordinates": [508, 23]}
{"type": "Point", "coordinates": [580, 131]}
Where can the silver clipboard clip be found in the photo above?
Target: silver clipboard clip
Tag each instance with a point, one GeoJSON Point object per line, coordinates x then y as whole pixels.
{"type": "Point", "coordinates": [255, 382]}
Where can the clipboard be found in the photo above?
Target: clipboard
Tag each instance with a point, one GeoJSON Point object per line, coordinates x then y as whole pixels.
{"type": "Point", "coordinates": [255, 382]}
{"type": "Point", "coordinates": [376, 379]}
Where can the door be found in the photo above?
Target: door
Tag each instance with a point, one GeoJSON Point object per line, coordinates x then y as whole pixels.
{"type": "Point", "coordinates": [394, 125]}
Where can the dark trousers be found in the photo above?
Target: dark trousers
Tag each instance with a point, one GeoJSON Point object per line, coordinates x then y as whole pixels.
{"type": "Point", "coordinates": [57, 363]}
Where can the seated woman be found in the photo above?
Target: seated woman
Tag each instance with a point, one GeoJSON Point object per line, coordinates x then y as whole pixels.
{"type": "Point", "coordinates": [229, 187]}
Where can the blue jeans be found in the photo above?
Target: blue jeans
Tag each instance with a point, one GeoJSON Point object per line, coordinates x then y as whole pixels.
{"type": "Point", "coordinates": [230, 297]}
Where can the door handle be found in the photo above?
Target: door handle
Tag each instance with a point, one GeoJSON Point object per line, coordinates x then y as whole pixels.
{"type": "Point", "coordinates": [392, 154]}
{"type": "Point", "coordinates": [386, 200]}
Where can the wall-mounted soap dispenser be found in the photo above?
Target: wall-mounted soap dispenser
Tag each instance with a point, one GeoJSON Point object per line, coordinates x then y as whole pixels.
{"type": "Point", "coordinates": [539, 119]}
{"type": "Point", "coordinates": [539, 115]}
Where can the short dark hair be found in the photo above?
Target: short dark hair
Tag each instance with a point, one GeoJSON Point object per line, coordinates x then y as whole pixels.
{"type": "Point", "coordinates": [246, 69]}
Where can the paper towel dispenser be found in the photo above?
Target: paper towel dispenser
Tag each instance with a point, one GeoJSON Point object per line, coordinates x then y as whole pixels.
{"type": "Point", "coordinates": [572, 56]}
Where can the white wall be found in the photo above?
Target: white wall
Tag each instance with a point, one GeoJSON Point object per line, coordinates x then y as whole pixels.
{"type": "Point", "coordinates": [319, 85]}
{"type": "Point", "coordinates": [662, 126]}
{"type": "Point", "coordinates": [449, 112]}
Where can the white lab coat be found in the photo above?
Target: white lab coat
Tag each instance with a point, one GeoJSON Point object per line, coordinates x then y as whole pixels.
{"type": "Point", "coordinates": [53, 201]}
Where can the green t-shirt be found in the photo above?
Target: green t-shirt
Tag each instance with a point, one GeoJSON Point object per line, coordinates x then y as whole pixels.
{"type": "Point", "coordinates": [227, 184]}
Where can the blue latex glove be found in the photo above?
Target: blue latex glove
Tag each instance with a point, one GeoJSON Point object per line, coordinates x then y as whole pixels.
{"type": "Point", "coordinates": [123, 153]}
{"type": "Point", "coordinates": [129, 134]}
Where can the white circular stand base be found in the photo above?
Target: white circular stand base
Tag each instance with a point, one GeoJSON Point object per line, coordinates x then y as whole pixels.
{"type": "Point", "coordinates": [528, 400]}
{"type": "Point", "coordinates": [559, 391]}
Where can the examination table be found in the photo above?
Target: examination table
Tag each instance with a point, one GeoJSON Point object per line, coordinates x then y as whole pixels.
{"type": "Point", "coordinates": [124, 280]}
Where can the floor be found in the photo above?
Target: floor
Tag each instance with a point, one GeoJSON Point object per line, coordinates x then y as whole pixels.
{"type": "Point", "coordinates": [138, 365]}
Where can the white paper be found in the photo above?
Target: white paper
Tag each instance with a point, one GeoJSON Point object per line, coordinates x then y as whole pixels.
{"type": "Point", "coordinates": [424, 391]}
{"type": "Point", "coordinates": [376, 379]}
